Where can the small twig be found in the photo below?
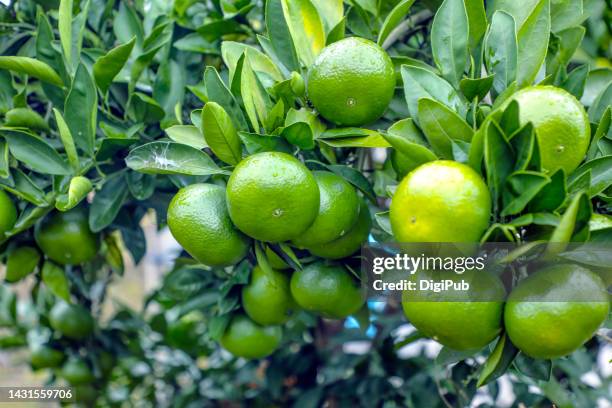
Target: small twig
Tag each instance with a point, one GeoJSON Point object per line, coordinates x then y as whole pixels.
{"type": "Point", "coordinates": [405, 27]}
{"type": "Point", "coordinates": [604, 336]}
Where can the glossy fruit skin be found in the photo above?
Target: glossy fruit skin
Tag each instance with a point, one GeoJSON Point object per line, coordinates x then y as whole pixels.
{"type": "Point", "coordinates": [77, 372]}
{"type": "Point", "coordinates": [71, 320]}
{"type": "Point", "coordinates": [440, 201]}
{"type": "Point", "coordinates": [245, 338]}
{"type": "Point", "coordinates": [8, 213]}
{"type": "Point", "coordinates": [352, 82]}
{"type": "Point", "coordinates": [541, 324]}
{"type": "Point", "coordinates": [338, 211]}
{"type": "Point", "coordinates": [328, 290]}
{"type": "Point", "coordinates": [561, 124]}
{"type": "Point", "coordinates": [350, 242]}
{"type": "Point", "coordinates": [21, 262]}
{"type": "Point", "coordinates": [267, 298]}
{"type": "Point", "coordinates": [451, 321]}
{"type": "Point", "coordinates": [272, 197]}
{"type": "Point", "coordinates": [199, 221]}
{"type": "Point", "coordinates": [65, 237]}
{"type": "Point", "coordinates": [45, 357]}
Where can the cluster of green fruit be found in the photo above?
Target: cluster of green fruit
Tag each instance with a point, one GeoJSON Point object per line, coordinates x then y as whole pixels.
{"type": "Point", "coordinates": [272, 197]}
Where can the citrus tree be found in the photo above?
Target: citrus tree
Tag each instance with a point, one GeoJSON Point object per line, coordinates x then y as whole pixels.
{"type": "Point", "coordinates": [276, 138]}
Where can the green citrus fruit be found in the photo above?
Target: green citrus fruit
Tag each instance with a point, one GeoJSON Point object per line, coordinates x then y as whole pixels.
{"type": "Point", "coordinates": [21, 262]}
{"type": "Point", "coordinates": [8, 213]}
{"type": "Point", "coordinates": [185, 332]}
{"type": "Point", "coordinates": [65, 237]}
{"type": "Point", "coordinates": [45, 357]}
{"type": "Point", "coordinates": [77, 372]}
{"type": "Point", "coordinates": [245, 338]}
{"type": "Point", "coordinates": [328, 290]}
{"type": "Point", "coordinates": [267, 298]}
{"type": "Point", "coordinates": [338, 211]}
{"type": "Point", "coordinates": [440, 201]}
{"type": "Point", "coordinates": [72, 321]}
{"type": "Point", "coordinates": [451, 320]}
{"type": "Point", "coordinates": [272, 197]}
{"type": "Point", "coordinates": [561, 124]}
{"type": "Point", "coordinates": [350, 242]}
{"type": "Point", "coordinates": [556, 310]}
{"type": "Point", "coordinates": [351, 82]}
{"type": "Point", "coordinates": [199, 221]}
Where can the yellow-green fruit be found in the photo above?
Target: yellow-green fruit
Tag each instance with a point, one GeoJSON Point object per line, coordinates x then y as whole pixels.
{"type": "Point", "coordinates": [272, 197]}
{"type": "Point", "coordinates": [352, 82]}
{"type": "Point", "coordinates": [267, 298]}
{"type": "Point", "coordinates": [561, 124]}
{"type": "Point", "coordinates": [350, 242]}
{"type": "Point", "coordinates": [466, 320]}
{"type": "Point", "coordinates": [21, 262]}
{"type": "Point", "coordinates": [8, 214]}
{"type": "Point", "coordinates": [77, 372]}
{"type": "Point", "coordinates": [328, 290]}
{"type": "Point", "coordinates": [440, 201]}
{"type": "Point", "coordinates": [65, 237]}
{"type": "Point", "coordinates": [72, 321]}
{"type": "Point", "coordinates": [338, 211]}
{"type": "Point", "coordinates": [245, 338]}
{"type": "Point", "coordinates": [199, 221]}
{"type": "Point", "coordinates": [45, 357]}
{"type": "Point", "coordinates": [556, 310]}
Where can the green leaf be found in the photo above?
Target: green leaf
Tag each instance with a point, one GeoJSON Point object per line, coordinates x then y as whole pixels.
{"type": "Point", "coordinates": [533, 42]}
{"type": "Point", "coordinates": [31, 67]}
{"type": "Point", "coordinates": [449, 40]}
{"type": "Point", "coordinates": [574, 223]}
{"type": "Point", "coordinates": [256, 143]}
{"type": "Point", "coordinates": [195, 43]}
{"type": "Point", "coordinates": [441, 125]}
{"type": "Point", "coordinates": [538, 369]}
{"type": "Point", "coordinates": [601, 103]}
{"type": "Point", "coordinates": [171, 158]}
{"type": "Point", "coordinates": [107, 202]}
{"type": "Point", "coordinates": [255, 99]}
{"type": "Point", "coordinates": [81, 110]}
{"type": "Point", "coordinates": [562, 47]}
{"type": "Point", "coordinates": [299, 134]}
{"type": "Point", "coordinates": [216, 91]}
{"type": "Point", "coordinates": [55, 279]}
{"type": "Point", "coordinates": [4, 159]}
{"type": "Point", "coordinates": [24, 188]}
{"type": "Point", "coordinates": [355, 177]}
{"type": "Point", "coordinates": [77, 30]}
{"type": "Point", "coordinates": [306, 28]}
{"type": "Point", "coordinates": [25, 118]}
{"type": "Point", "coordinates": [337, 33]}
{"type": "Point", "coordinates": [158, 38]}
{"type": "Point", "coordinates": [524, 187]}
{"type": "Point", "coordinates": [551, 196]}
{"type": "Point", "coordinates": [395, 16]}
{"type": "Point", "coordinates": [187, 134]}
{"type": "Point", "coordinates": [78, 189]}
{"type": "Point", "coordinates": [601, 174]}
{"type": "Point", "coordinates": [35, 152]}
{"type": "Point", "coordinates": [280, 37]}
{"type": "Point", "coordinates": [421, 83]}
{"type": "Point", "coordinates": [374, 139]}
{"type": "Point", "coordinates": [127, 25]}
{"type": "Point", "coordinates": [498, 361]}
{"type": "Point", "coordinates": [331, 12]}
{"type": "Point", "coordinates": [67, 141]}
{"type": "Point", "coordinates": [410, 154]}
{"type": "Point", "coordinates": [499, 160]}
{"type": "Point", "coordinates": [501, 50]}
{"type": "Point", "coordinates": [142, 186]}
{"type": "Point", "coordinates": [108, 66]}
{"type": "Point", "coordinates": [476, 88]}
{"type": "Point", "coordinates": [220, 133]}
{"type": "Point", "coordinates": [231, 52]}
{"type": "Point", "coordinates": [602, 130]}
{"type": "Point", "coordinates": [594, 255]}
{"type": "Point", "coordinates": [576, 81]}
{"type": "Point", "coordinates": [477, 18]}
{"type": "Point", "coordinates": [565, 14]}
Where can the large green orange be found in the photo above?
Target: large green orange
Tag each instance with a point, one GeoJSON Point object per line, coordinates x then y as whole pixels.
{"type": "Point", "coordinates": [267, 298]}
{"type": "Point", "coordinates": [272, 197]}
{"type": "Point", "coordinates": [561, 124]}
{"type": "Point", "coordinates": [8, 214]}
{"type": "Point", "coordinates": [328, 290]}
{"type": "Point", "coordinates": [42, 356]}
{"type": "Point", "coordinates": [352, 82]}
{"type": "Point", "coordinates": [77, 372]}
{"type": "Point", "coordinates": [245, 338]}
{"type": "Point", "coordinates": [71, 320]}
{"type": "Point", "coordinates": [350, 242]}
{"type": "Point", "coordinates": [21, 262]}
{"type": "Point", "coordinates": [65, 237]}
{"type": "Point", "coordinates": [199, 221]}
{"type": "Point", "coordinates": [460, 320]}
{"type": "Point", "coordinates": [440, 201]}
{"type": "Point", "coordinates": [556, 310]}
{"type": "Point", "coordinates": [338, 211]}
